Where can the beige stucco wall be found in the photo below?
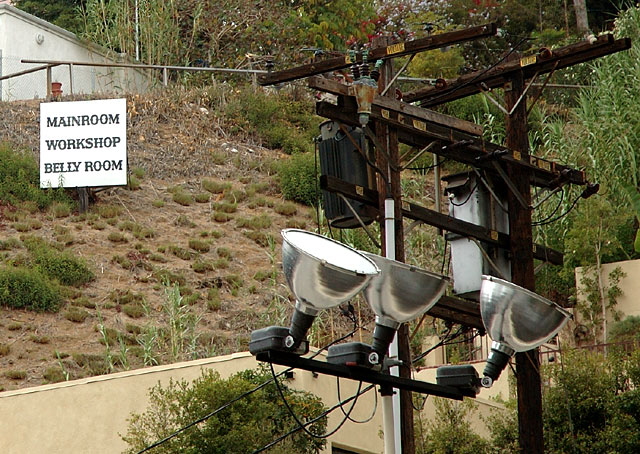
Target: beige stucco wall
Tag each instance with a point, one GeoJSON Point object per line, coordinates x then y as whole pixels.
{"type": "Point", "coordinates": [23, 36]}
{"type": "Point", "coordinates": [87, 416]}
{"type": "Point", "coordinates": [628, 302]}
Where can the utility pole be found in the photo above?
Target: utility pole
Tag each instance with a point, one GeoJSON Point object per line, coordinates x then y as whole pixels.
{"type": "Point", "coordinates": [522, 270]}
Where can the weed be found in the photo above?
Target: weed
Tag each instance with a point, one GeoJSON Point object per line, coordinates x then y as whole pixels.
{"type": "Point", "coordinates": [182, 323]}
{"type": "Point", "coordinates": [221, 263]}
{"type": "Point", "coordinates": [184, 221]}
{"type": "Point", "coordinates": [21, 227]}
{"type": "Point", "coordinates": [261, 238]}
{"type": "Point", "coordinates": [181, 253]}
{"type": "Point", "coordinates": [5, 349]}
{"type": "Point", "coordinates": [259, 222]}
{"type": "Point", "coordinates": [215, 187]}
{"type": "Point", "coordinates": [83, 301]}
{"type": "Point", "coordinates": [202, 197]}
{"type": "Point", "coordinates": [39, 339]}
{"type": "Point", "coordinates": [15, 374]}
{"type": "Point", "coordinates": [199, 245]}
{"type": "Point", "coordinates": [295, 224]}
{"type": "Point", "coordinates": [109, 211]}
{"type": "Point", "coordinates": [53, 375]}
{"type": "Point", "coordinates": [235, 196]}
{"type": "Point", "coordinates": [213, 299]}
{"type": "Point", "coordinates": [60, 210]}
{"type": "Point", "coordinates": [235, 282]}
{"type": "Point", "coordinates": [63, 266]}
{"type": "Point", "coordinates": [182, 198]}
{"type": "Point", "coordinates": [164, 275]}
{"type": "Point", "coordinates": [134, 310]}
{"type": "Point", "coordinates": [126, 297]}
{"type": "Point", "coordinates": [221, 217]}
{"type": "Point", "coordinates": [158, 258]}
{"type": "Point", "coordinates": [286, 208]}
{"type": "Point", "coordinates": [76, 314]}
{"type": "Point", "coordinates": [217, 234]}
{"type": "Point", "coordinates": [200, 266]}
{"type": "Point", "coordinates": [224, 252]}
{"type": "Point", "coordinates": [10, 244]}
{"type": "Point", "coordinates": [117, 237]}
{"type": "Point", "coordinates": [226, 207]}
{"type": "Point", "coordinates": [158, 203]}
{"type": "Point", "coordinates": [124, 262]}
{"type": "Point", "coordinates": [14, 326]}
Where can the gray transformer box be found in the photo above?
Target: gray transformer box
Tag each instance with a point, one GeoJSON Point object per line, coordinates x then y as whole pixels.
{"type": "Point", "coordinates": [471, 200]}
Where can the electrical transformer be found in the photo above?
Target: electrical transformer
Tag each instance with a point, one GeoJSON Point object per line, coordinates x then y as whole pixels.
{"type": "Point", "coordinates": [482, 203]}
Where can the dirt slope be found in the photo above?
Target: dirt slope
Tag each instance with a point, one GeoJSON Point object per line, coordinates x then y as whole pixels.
{"type": "Point", "coordinates": [132, 238]}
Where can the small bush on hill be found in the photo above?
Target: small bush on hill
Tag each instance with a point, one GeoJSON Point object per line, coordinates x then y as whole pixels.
{"type": "Point", "coordinates": [20, 181]}
{"type": "Point", "coordinates": [22, 288]}
{"type": "Point", "coordinates": [63, 266]}
{"type": "Point", "coordinates": [298, 181]}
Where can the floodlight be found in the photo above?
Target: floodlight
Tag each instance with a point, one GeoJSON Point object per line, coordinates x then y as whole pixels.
{"type": "Point", "coordinates": [321, 273]}
{"type": "Point", "coordinates": [517, 320]}
{"type": "Point", "coordinates": [400, 293]}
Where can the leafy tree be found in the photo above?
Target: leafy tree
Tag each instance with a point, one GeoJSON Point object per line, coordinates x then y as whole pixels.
{"type": "Point", "coordinates": [63, 13]}
{"type": "Point", "coordinates": [593, 404]}
{"type": "Point", "coordinates": [450, 431]}
{"type": "Point", "coordinates": [248, 424]}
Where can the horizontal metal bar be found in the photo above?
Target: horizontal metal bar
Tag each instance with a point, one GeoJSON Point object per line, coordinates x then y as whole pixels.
{"type": "Point", "coordinates": [362, 374]}
{"type": "Point", "coordinates": [138, 66]}
{"type": "Point", "coordinates": [26, 71]}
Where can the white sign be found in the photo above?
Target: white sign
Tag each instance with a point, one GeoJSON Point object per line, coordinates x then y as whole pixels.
{"type": "Point", "coordinates": [83, 143]}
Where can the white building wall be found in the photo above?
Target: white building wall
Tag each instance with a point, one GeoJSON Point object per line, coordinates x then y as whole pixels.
{"type": "Point", "coordinates": [23, 36]}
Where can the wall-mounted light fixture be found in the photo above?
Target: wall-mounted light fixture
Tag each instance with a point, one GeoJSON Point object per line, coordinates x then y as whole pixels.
{"type": "Point", "coordinates": [517, 320]}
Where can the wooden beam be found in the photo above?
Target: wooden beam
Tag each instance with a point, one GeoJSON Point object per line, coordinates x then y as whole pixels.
{"type": "Point", "coordinates": [395, 50]}
{"type": "Point", "coordinates": [436, 219]}
{"type": "Point", "coordinates": [447, 121]}
{"type": "Point", "coordinates": [456, 144]}
{"type": "Point", "coordinates": [497, 76]}
{"type": "Point", "coordinates": [457, 310]}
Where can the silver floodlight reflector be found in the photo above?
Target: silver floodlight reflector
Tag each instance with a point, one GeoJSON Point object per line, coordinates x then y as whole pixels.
{"type": "Point", "coordinates": [400, 293]}
{"type": "Point", "coordinates": [517, 320]}
{"type": "Point", "coordinates": [321, 273]}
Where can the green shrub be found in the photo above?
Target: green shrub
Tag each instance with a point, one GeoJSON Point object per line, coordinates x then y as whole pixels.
{"type": "Point", "coordinates": [63, 266]}
{"type": "Point", "coordinates": [280, 121]}
{"type": "Point", "coordinates": [54, 375]}
{"type": "Point", "coordinates": [298, 180]}
{"type": "Point", "coordinates": [184, 221]}
{"type": "Point", "coordinates": [22, 288]}
{"type": "Point", "coordinates": [158, 203]}
{"type": "Point", "coordinates": [243, 427]}
{"type": "Point", "coordinates": [20, 181]}
{"type": "Point", "coordinates": [5, 349]}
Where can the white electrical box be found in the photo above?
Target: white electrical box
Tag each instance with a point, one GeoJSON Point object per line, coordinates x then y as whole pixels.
{"type": "Point", "coordinates": [471, 200]}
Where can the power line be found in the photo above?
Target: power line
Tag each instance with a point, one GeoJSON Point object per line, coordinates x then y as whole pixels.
{"type": "Point", "coordinates": [314, 420]}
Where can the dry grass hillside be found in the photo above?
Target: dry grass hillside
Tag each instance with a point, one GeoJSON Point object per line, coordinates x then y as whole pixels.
{"type": "Point", "coordinates": [203, 211]}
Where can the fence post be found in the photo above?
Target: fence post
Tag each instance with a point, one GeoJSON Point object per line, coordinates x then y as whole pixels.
{"type": "Point", "coordinates": [70, 78]}
{"type": "Point", "coordinates": [165, 77]}
{"type": "Point", "coordinates": [48, 83]}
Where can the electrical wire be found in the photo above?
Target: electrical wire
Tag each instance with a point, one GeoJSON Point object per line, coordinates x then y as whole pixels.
{"type": "Point", "coordinates": [232, 401]}
{"type": "Point", "coordinates": [468, 196]}
{"type": "Point", "coordinates": [431, 167]}
{"type": "Point", "coordinates": [317, 418]}
{"type": "Point", "coordinates": [557, 218]}
{"type": "Point", "coordinates": [348, 415]}
{"type": "Point", "coordinates": [303, 425]}
{"type": "Point", "coordinates": [483, 72]}
{"type": "Point", "coordinates": [553, 213]}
